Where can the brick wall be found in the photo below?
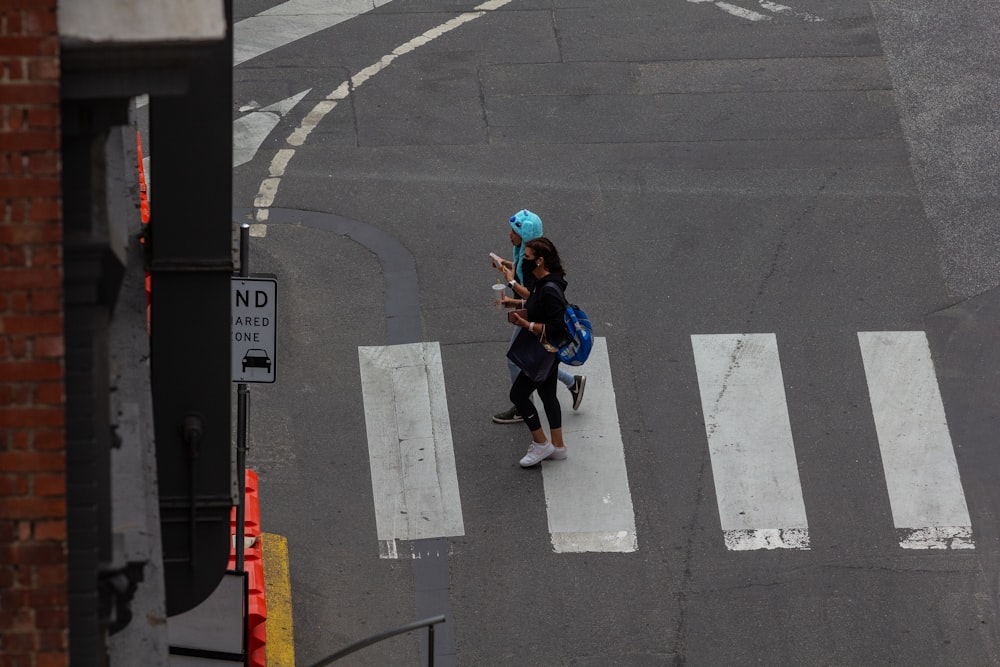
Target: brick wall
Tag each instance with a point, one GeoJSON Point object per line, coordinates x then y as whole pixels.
{"type": "Point", "coordinates": [33, 599]}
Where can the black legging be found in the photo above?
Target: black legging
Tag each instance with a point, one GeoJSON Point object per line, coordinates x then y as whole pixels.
{"type": "Point", "coordinates": [520, 396]}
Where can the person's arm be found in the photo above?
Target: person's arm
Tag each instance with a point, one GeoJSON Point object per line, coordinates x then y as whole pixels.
{"type": "Point", "coordinates": [517, 288]}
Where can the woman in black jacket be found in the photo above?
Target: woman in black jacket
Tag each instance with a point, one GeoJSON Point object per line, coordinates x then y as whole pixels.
{"type": "Point", "coordinates": [545, 306]}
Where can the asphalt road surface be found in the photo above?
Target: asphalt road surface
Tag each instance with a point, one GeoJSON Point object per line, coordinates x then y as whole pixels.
{"type": "Point", "coordinates": [782, 220]}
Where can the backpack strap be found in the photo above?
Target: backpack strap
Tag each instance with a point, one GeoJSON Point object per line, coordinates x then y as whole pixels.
{"type": "Point", "coordinates": [558, 292]}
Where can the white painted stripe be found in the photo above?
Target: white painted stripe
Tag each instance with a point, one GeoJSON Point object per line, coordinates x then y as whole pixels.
{"type": "Point", "coordinates": [775, 8]}
{"type": "Point", "coordinates": [269, 187]}
{"type": "Point", "coordinates": [587, 495]}
{"type": "Point", "coordinates": [414, 481]}
{"type": "Point", "coordinates": [750, 442]}
{"type": "Point", "coordinates": [921, 473]}
{"type": "Point", "coordinates": [741, 12]}
{"type": "Point", "coordinates": [249, 132]}
{"type": "Point", "coordinates": [291, 21]}
{"type": "Point", "coordinates": [280, 161]}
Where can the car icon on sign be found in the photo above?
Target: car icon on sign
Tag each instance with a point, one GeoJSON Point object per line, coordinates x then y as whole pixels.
{"type": "Point", "coordinates": [256, 358]}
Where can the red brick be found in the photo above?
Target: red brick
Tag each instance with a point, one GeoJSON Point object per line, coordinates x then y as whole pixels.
{"type": "Point", "coordinates": [32, 462]}
{"type": "Point", "coordinates": [50, 530]}
{"type": "Point", "coordinates": [20, 439]}
{"type": "Point", "coordinates": [49, 619]}
{"type": "Point", "coordinates": [51, 640]}
{"type": "Point", "coordinates": [51, 660]}
{"type": "Point", "coordinates": [45, 301]}
{"type": "Point", "coordinates": [32, 508]}
{"type": "Point", "coordinates": [32, 140]}
{"type": "Point", "coordinates": [15, 69]}
{"type": "Point", "coordinates": [47, 440]}
{"type": "Point", "coordinates": [13, 598]}
{"type": "Point", "coordinates": [30, 45]}
{"type": "Point", "coordinates": [29, 187]}
{"type": "Point", "coordinates": [16, 257]}
{"type": "Point", "coordinates": [49, 485]}
{"type": "Point", "coordinates": [43, 69]}
{"type": "Point", "coordinates": [30, 324]}
{"type": "Point", "coordinates": [13, 485]}
{"type": "Point", "coordinates": [19, 642]}
{"type": "Point", "coordinates": [20, 660]}
{"type": "Point", "coordinates": [29, 417]}
{"type": "Point", "coordinates": [18, 346]}
{"type": "Point", "coordinates": [46, 163]}
{"type": "Point", "coordinates": [13, 18]}
{"type": "Point", "coordinates": [40, 22]}
{"type": "Point", "coordinates": [17, 303]}
{"type": "Point", "coordinates": [46, 255]}
{"type": "Point", "coordinates": [47, 347]}
{"type": "Point", "coordinates": [23, 4]}
{"type": "Point", "coordinates": [20, 394]}
{"type": "Point", "coordinates": [17, 210]}
{"type": "Point", "coordinates": [45, 210]}
{"type": "Point", "coordinates": [49, 393]}
{"type": "Point", "coordinates": [16, 116]}
{"type": "Point", "coordinates": [50, 576]}
{"type": "Point", "coordinates": [30, 278]}
{"type": "Point", "coordinates": [34, 233]}
{"type": "Point", "coordinates": [26, 371]}
{"type": "Point", "coordinates": [43, 117]}
{"type": "Point", "coordinates": [50, 597]}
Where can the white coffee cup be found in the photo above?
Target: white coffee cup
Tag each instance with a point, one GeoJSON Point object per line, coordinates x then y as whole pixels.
{"type": "Point", "coordinates": [498, 291]}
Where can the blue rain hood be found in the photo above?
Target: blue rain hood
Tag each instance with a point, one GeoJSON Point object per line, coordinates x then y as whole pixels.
{"type": "Point", "coordinates": [528, 226]}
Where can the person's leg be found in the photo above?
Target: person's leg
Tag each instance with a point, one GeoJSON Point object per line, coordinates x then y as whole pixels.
{"type": "Point", "coordinates": [553, 413]}
{"type": "Point", "coordinates": [520, 396]}
{"type": "Point", "coordinates": [575, 383]}
{"type": "Point", "coordinates": [511, 414]}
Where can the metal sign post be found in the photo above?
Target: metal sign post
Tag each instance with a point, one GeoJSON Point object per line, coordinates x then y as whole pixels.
{"type": "Point", "coordinates": [242, 398]}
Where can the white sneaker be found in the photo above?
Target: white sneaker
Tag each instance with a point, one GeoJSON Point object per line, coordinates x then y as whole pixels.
{"type": "Point", "coordinates": [558, 453]}
{"type": "Point", "coordinates": [537, 452]}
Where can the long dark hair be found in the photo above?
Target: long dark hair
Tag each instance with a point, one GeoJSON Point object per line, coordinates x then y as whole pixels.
{"type": "Point", "coordinates": [546, 249]}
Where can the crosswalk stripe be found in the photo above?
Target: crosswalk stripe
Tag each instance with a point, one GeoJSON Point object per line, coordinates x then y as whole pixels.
{"type": "Point", "coordinates": [921, 473]}
{"type": "Point", "coordinates": [750, 442]}
{"type": "Point", "coordinates": [414, 480]}
{"type": "Point", "coordinates": [588, 500]}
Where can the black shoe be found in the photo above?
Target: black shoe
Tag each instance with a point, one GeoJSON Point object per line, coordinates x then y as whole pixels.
{"type": "Point", "coordinates": [508, 417]}
{"type": "Point", "coordinates": [579, 384]}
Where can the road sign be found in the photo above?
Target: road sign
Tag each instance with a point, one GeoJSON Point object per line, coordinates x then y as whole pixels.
{"type": "Point", "coordinates": [254, 310]}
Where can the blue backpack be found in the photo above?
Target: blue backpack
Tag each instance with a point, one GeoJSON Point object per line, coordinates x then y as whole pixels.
{"type": "Point", "coordinates": [581, 334]}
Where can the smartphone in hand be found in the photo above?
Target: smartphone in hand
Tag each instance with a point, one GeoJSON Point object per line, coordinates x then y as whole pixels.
{"type": "Point", "coordinates": [497, 262]}
{"type": "Point", "coordinates": [523, 312]}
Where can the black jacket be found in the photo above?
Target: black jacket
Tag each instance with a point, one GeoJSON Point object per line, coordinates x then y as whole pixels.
{"type": "Point", "coordinates": [546, 305]}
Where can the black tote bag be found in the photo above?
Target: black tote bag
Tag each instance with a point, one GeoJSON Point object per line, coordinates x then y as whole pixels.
{"type": "Point", "coordinates": [528, 353]}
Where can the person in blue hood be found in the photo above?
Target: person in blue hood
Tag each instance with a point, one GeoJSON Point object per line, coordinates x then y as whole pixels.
{"type": "Point", "coordinates": [526, 226]}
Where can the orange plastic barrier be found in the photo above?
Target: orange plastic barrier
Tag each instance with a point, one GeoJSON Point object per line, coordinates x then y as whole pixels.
{"type": "Point", "coordinates": [253, 563]}
{"type": "Point", "coordinates": [144, 215]}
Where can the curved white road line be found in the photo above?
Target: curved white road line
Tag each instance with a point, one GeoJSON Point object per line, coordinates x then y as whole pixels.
{"type": "Point", "coordinates": [269, 186]}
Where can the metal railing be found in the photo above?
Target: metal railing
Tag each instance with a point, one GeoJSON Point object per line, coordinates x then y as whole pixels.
{"type": "Point", "coordinates": [429, 623]}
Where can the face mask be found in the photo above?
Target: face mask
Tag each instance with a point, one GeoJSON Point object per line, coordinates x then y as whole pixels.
{"type": "Point", "coordinates": [528, 265]}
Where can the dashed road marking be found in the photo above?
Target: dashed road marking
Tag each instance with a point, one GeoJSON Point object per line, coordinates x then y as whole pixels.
{"type": "Point", "coordinates": [587, 496]}
{"type": "Point", "coordinates": [750, 442]}
{"type": "Point", "coordinates": [410, 450]}
{"type": "Point", "coordinates": [921, 473]}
